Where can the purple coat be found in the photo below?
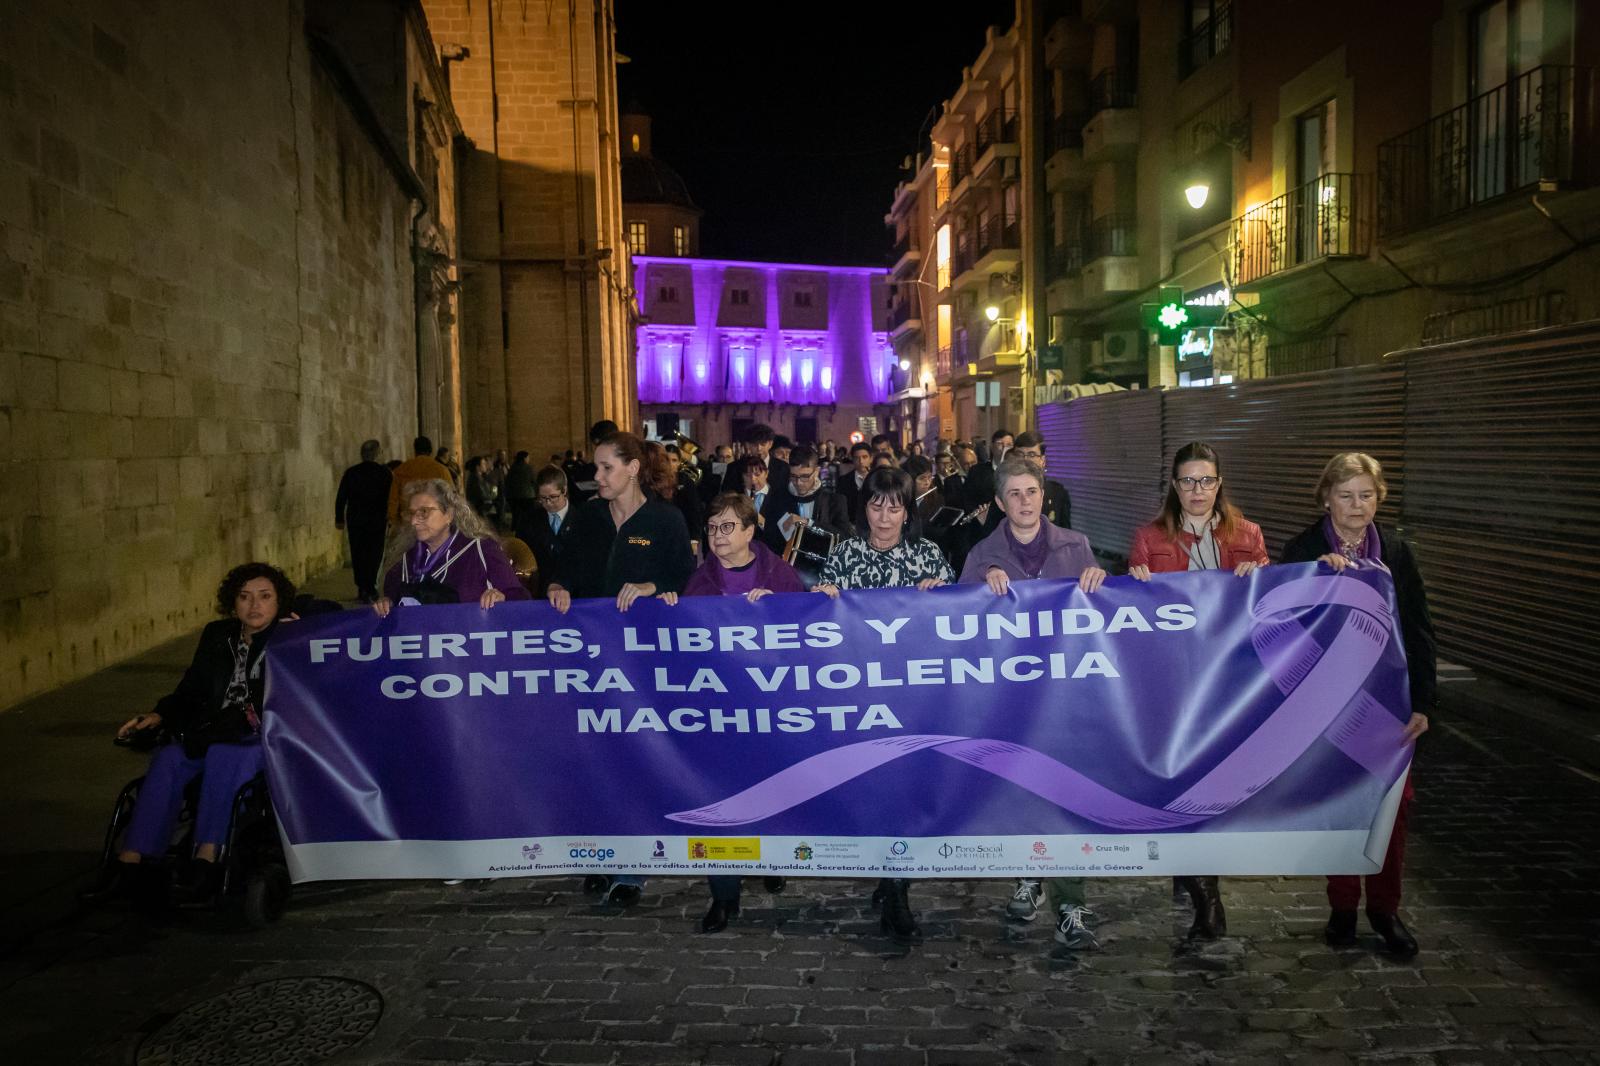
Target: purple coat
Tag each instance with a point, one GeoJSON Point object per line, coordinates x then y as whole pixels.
{"type": "Point", "coordinates": [771, 573]}
{"type": "Point", "coordinates": [474, 566]}
{"type": "Point", "coordinates": [1069, 554]}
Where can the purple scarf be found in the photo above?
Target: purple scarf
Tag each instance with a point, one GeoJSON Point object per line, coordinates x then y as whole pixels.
{"type": "Point", "coordinates": [1032, 555]}
{"type": "Point", "coordinates": [1369, 548]}
{"type": "Point", "coordinates": [423, 560]}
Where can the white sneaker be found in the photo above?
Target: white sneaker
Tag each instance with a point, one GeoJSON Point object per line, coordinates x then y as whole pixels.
{"type": "Point", "coordinates": [1072, 931]}
{"type": "Point", "coordinates": [1025, 901]}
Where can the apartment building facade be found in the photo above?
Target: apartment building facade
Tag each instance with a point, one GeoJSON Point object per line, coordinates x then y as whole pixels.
{"type": "Point", "coordinates": [1403, 175]}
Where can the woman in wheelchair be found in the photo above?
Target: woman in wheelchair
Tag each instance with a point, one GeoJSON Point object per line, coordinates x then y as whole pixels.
{"type": "Point", "coordinates": [210, 725]}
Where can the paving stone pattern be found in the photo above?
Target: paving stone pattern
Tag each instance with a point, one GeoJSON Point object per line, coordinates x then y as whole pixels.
{"type": "Point", "coordinates": [1502, 895]}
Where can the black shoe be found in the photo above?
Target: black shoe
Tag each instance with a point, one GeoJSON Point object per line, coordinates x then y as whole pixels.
{"type": "Point", "coordinates": [1397, 939]}
{"type": "Point", "coordinates": [1341, 930]}
{"type": "Point", "coordinates": [897, 920]}
{"type": "Point", "coordinates": [623, 895]}
{"type": "Point", "coordinates": [117, 881]}
{"type": "Point", "coordinates": [205, 881]}
{"type": "Point", "coordinates": [1210, 919]}
{"type": "Point", "coordinates": [774, 885]}
{"type": "Point", "coordinates": [716, 919]}
{"type": "Point", "coordinates": [151, 889]}
{"type": "Point", "coordinates": [595, 884]}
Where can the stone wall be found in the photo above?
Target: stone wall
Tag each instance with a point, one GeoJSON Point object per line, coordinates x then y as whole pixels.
{"type": "Point", "coordinates": [206, 303]}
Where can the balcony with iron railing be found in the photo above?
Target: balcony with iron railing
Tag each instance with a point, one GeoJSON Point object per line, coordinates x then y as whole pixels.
{"type": "Point", "coordinates": [999, 126]}
{"type": "Point", "coordinates": [904, 253]}
{"type": "Point", "coordinates": [1113, 236]}
{"type": "Point", "coordinates": [1206, 41]}
{"type": "Point", "coordinates": [904, 314]}
{"type": "Point", "coordinates": [1065, 133]}
{"type": "Point", "coordinates": [1537, 129]}
{"type": "Point", "coordinates": [1065, 259]}
{"type": "Point", "coordinates": [961, 260]}
{"type": "Point", "coordinates": [998, 233]}
{"type": "Point", "coordinates": [1326, 218]}
{"type": "Point", "coordinates": [942, 364]}
{"type": "Point", "coordinates": [1064, 163]}
{"type": "Point", "coordinates": [961, 163]}
{"type": "Point", "coordinates": [1113, 89]}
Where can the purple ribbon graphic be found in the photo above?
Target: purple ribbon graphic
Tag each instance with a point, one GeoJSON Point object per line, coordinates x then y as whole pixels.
{"type": "Point", "coordinates": [1322, 697]}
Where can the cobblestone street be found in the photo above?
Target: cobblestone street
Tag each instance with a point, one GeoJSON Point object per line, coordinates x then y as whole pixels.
{"type": "Point", "coordinates": [1504, 846]}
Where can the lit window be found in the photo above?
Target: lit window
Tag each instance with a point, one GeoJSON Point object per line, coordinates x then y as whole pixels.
{"type": "Point", "coordinates": [942, 256]}
{"type": "Point", "coordinates": [635, 142]}
{"type": "Point", "coordinates": [638, 237]}
{"type": "Point", "coordinates": [680, 240]}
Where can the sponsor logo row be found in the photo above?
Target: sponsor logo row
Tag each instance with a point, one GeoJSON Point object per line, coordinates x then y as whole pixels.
{"type": "Point", "coordinates": [829, 854]}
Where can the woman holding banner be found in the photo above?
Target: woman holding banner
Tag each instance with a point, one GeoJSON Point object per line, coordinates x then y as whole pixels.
{"type": "Point", "coordinates": [1026, 547]}
{"type": "Point", "coordinates": [628, 542]}
{"type": "Point", "coordinates": [1348, 535]}
{"type": "Point", "coordinates": [740, 565]}
{"type": "Point", "coordinates": [1198, 529]}
{"type": "Point", "coordinates": [888, 552]}
{"type": "Point", "coordinates": [443, 552]}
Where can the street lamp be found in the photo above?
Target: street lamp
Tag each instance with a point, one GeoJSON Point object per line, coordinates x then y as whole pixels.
{"type": "Point", "coordinates": [1197, 194]}
{"type": "Point", "coordinates": [992, 313]}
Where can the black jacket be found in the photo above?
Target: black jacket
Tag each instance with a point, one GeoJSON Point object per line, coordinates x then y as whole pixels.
{"type": "Point", "coordinates": [1416, 625]}
{"type": "Point", "coordinates": [193, 712]}
{"type": "Point", "coordinates": [652, 546]}
{"type": "Point", "coordinates": [533, 528]}
{"type": "Point", "coordinates": [363, 497]}
{"type": "Point", "coordinates": [829, 511]}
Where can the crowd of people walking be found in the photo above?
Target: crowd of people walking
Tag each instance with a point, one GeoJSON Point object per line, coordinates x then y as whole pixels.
{"type": "Point", "coordinates": [752, 518]}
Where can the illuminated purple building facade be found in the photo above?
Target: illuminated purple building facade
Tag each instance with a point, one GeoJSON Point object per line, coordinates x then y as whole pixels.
{"type": "Point", "coordinates": [722, 344]}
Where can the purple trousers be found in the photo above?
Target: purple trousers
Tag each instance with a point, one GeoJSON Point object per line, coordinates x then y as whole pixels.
{"type": "Point", "coordinates": [226, 767]}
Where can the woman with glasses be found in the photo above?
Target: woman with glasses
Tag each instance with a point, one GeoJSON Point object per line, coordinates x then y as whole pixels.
{"type": "Point", "coordinates": [445, 553]}
{"type": "Point", "coordinates": [740, 565]}
{"type": "Point", "coordinates": [1348, 535]}
{"type": "Point", "coordinates": [888, 552]}
{"type": "Point", "coordinates": [1198, 529]}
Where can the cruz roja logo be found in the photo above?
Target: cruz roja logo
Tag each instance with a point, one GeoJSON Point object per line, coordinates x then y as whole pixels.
{"type": "Point", "coordinates": [802, 852]}
{"type": "Point", "coordinates": [1087, 849]}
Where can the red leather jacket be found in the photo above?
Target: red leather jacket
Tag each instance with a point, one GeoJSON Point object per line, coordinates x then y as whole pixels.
{"type": "Point", "coordinates": [1153, 548]}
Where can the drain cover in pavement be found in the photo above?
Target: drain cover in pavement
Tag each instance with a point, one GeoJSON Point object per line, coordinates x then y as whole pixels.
{"type": "Point", "coordinates": [293, 1020]}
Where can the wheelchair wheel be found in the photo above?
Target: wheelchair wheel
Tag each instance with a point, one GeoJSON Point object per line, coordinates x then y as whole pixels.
{"type": "Point", "coordinates": [266, 893]}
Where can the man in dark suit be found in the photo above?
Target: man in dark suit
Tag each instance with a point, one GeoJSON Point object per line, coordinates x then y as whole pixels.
{"type": "Point", "coordinates": [771, 501]}
{"type": "Point", "coordinates": [980, 479]}
{"type": "Point", "coordinates": [361, 509]}
{"type": "Point", "coordinates": [809, 503]}
{"type": "Point", "coordinates": [1057, 503]}
{"type": "Point", "coordinates": [547, 530]}
{"type": "Point", "coordinates": [849, 483]}
{"type": "Point", "coordinates": [758, 440]}
{"type": "Point", "coordinates": [715, 479]}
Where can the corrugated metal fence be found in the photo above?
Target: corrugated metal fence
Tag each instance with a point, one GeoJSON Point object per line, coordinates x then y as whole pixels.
{"type": "Point", "coordinates": [1488, 446]}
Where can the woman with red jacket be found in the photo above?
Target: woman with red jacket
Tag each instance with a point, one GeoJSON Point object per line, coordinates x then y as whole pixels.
{"type": "Point", "coordinates": [1198, 529]}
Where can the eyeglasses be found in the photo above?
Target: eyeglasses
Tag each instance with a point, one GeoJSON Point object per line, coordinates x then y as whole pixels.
{"type": "Point", "coordinates": [1027, 453]}
{"type": "Point", "coordinates": [722, 529]}
{"type": "Point", "coordinates": [1207, 483]}
{"type": "Point", "coordinates": [546, 498]}
{"type": "Point", "coordinates": [422, 514]}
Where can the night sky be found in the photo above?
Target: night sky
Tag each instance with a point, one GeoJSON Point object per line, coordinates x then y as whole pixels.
{"type": "Point", "coordinates": [789, 123]}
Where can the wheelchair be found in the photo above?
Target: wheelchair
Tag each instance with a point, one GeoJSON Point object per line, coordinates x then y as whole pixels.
{"type": "Point", "coordinates": [255, 876]}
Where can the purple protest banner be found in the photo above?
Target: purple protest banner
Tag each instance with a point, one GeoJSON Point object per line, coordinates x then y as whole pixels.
{"type": "Point", "coordinates": [1198, 723]}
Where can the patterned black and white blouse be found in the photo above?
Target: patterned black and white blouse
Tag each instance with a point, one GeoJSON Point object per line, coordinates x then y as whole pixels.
{"type": "Point", "coordinates": [855, 564]}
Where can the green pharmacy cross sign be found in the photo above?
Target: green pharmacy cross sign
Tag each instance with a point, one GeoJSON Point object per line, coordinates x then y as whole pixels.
{"type": "Point", "coordinates": [1169, 317]}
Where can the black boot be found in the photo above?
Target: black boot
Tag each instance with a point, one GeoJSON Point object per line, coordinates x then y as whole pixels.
{"type": "Point", "coordinates": [716, 919]}
{"type": "Point", "coordinates": [1397, 939]}
{"type": "Point", "coordinates": [1341, 930]}
{"type": "Point", "coordinates": [1210, 920]}
{"type": "Point", "coordinates": [897, 920]}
